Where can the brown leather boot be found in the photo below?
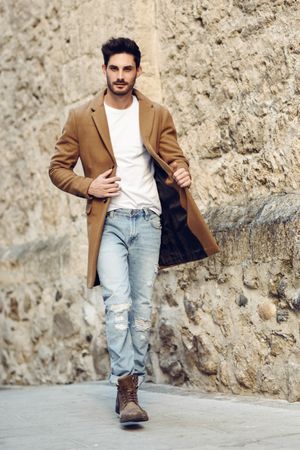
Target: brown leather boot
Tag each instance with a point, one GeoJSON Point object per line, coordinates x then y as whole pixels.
{"type": "Point", "coordinates": [127, 402]}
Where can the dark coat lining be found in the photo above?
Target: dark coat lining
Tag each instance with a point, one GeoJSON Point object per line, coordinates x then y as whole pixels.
{"type": "Point", "coordinates": [178, 243]}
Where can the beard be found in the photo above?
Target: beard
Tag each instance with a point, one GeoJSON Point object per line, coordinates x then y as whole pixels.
{"type": "Point", "coordinates": [111, 86]}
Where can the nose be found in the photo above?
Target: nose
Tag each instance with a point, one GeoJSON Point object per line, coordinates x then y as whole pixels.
{"type": "Point", "coordinates": [120, 74]}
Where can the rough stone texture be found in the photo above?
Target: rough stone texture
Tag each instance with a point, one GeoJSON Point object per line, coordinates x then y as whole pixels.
{"type": "Point", "coordinates": [229, 73]}
{"type": "Point", "coordinates": [205, 336]}
{"type": "Point", "coordinates": [50, 330]}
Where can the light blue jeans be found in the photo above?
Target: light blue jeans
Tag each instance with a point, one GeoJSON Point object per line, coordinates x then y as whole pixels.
{"type": "Point", "coordinates": [127, 267]}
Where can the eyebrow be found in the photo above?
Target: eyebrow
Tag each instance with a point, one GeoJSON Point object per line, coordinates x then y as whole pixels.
{"type": "Point", "coordinates": [113, 66]}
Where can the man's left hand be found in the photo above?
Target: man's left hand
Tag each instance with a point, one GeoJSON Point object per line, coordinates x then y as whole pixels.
{"type": "Point", "coordinates": [181, 176]}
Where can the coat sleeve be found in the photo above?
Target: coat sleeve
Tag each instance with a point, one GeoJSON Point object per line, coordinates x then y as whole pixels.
{"type": "Point", "coordinates": [64, 160]}
{"type": "Point", "coordinates": [169, 149]}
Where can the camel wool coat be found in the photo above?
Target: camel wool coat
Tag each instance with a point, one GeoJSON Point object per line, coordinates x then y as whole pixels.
{"type": "Point", "coordinates": [185, 234]}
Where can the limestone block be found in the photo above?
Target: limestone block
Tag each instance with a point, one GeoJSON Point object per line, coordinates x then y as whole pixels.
{"type": "Point", "coordinates": [22, 346]}
{"type": "Point", "coordinates": [206, 355]}
{"type": "Point", "coordinates": [269, 378]}
{"type": "Point", "coordinates": [245, 362]}
{"type": "Point", "coordinates": [226, 377]}
{"type": "Point", "coordinates": [100, 357]}
{"type": "Point", "coordinates": [295, 303]}
{"type": "Point", "coordinates": [7, 331]}
{"type": "Point", "coordinates": [61, 356]}
{"type": "Point", "coordinates": [250, 277]}
{"type": "Point", "coordinates": [192, 309]}
{"type": "Point", "coordinates": [62, 325]}
{"type": "Point", "coordinates": [281, 343]}
{"type": "Point", "coordinates": [90, 315]}
{"type": "Point", "coordinates": [45, 354]}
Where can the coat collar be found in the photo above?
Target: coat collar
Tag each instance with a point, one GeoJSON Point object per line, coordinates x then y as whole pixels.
{"type": "Point", "coordinates": [146, 115]}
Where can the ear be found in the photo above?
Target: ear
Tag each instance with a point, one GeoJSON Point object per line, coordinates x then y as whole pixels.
{"type": "Point", "coordinates": [104, 68]}
{"type": "Point", "coordinates": [139, 71]}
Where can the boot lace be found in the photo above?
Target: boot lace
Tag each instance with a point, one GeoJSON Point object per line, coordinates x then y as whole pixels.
{"type": "Point", "coordinates": [129, 394]}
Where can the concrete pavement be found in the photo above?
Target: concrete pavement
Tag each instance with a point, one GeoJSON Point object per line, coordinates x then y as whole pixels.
{"type": "Point", "coordinates": [80, 416]}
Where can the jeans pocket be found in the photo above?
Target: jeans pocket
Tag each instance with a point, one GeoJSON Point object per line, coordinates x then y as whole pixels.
{"type": "Point", "coordinates": [155, 221]}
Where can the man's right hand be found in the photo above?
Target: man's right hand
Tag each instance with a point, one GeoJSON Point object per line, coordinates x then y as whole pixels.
{"type": "Point", "coordinates": [102, 186]}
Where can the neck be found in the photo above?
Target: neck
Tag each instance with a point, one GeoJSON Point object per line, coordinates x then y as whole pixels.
{"type": "Point", "coordinates": [118, 101]}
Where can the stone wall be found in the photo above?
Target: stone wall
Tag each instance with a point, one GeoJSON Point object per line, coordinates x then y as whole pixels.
{"type": "Point", "coordinates": [229, 73]}
{"type": "Point", "coordinates": [232, 321]}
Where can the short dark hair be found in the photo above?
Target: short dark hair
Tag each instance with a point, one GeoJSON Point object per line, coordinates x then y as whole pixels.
{"type": "Point", "coordinates": [121, 45]}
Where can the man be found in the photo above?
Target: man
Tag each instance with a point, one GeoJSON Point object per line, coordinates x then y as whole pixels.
{"type": "Point", "coordinates": [140, 213]}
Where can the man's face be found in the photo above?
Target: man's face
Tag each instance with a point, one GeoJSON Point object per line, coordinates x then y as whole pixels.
{"type": "Point", "coordinates": [121, 73]}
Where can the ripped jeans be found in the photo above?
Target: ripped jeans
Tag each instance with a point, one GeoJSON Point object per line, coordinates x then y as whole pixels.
{"type": "Point", "coordinates": [127, 267]}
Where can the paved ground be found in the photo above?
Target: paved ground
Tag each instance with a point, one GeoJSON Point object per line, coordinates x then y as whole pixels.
{"type": "Point", "coordinates": [80, 416]}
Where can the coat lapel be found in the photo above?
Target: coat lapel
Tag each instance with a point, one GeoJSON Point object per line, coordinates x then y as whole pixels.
{"type": "Point", "coordinates": [146, 115]}
{"type": "Point", "coordinates": [100, 120]}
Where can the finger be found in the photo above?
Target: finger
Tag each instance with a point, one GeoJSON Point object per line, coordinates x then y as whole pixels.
{"type": "Point", "coordinates": [111, 185]}
{"type": "Point", "coordinates": [106, 173]}
{"type": "Point", "coordinates": [182, 174]}
{"type": "Point", "coordinates": [185, 184]}
{"type": "Point", "coordinates": [112, 194]}
{"type": "Point", "coordinates": [185, 180]}
{"type": "Point", "coordinates": [112, 179]}
{"type": "Point", "coordinates": [112, 190]}
{"type": "Point", "coordinates": [180, 170]}
{"type": "Point", "coordinates": [182, 178]}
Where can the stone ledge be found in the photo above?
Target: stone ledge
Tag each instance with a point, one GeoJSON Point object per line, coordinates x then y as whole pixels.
{"type": "Point", "coordinates": [38, 259]}
{"type": "Point", "coordinates": [266, 228]}
{"type": "Point", "coordinates": [274, 209]}
{"type": "Point", "coordinates": [22, 252]}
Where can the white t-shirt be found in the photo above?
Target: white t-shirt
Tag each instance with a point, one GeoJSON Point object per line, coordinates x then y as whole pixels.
{"type": "Point", "coordinates": [134, 164]}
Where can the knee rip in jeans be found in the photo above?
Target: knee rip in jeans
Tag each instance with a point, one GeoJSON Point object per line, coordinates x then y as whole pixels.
{"type": "Point", "coordinates": [120, 320]}
{"type": "Point", "coordinates": [142, 325]}
{"type": "Point", "coordinates": [121, 326]}
{"type": "Point", "coordinates": [120, 307]}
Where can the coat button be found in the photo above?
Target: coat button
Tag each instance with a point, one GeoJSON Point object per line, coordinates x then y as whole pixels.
{"type": "Point", "coordinates": [105, 200]}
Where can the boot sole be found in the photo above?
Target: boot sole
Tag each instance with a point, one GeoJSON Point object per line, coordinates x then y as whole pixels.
{"type": "Point", "coordinates": [133, 422]}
